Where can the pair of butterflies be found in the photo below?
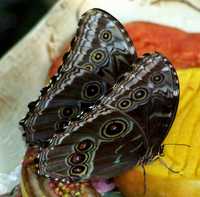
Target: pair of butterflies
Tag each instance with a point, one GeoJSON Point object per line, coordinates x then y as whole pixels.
{"type": "Point", "coordinates": [106, 109]}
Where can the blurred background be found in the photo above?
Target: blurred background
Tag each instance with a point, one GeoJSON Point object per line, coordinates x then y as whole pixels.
{"type": "Point", "coordinates": [17, 17]}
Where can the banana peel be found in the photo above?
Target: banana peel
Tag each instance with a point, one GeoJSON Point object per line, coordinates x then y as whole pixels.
{"type": "Point", "coordinates": [177, 172]}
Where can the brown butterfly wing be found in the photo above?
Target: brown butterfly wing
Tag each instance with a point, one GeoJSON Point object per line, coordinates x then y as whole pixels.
{"type": "Point", "coordinates": [101, 52]}
{"type": "Point", "coordinates": [153, 99]}
{"type": "Point", "coordinates": [127, 128]}
{"type": "Point", "coordinates": [94, 149]}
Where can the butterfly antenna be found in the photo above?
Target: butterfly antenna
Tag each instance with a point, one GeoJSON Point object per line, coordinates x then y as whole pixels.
{"type": "Point", "coordinates": [145, 180]}
{"type": "Point", "coordinates": [186, 145]}
{"type": "Point", "coordinates": [166, 166]}
{"type": "Point", "coordinates": [161, 154]}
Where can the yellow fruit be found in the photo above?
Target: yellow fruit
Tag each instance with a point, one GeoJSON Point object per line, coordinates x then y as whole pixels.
{"type": "Point", "coordinates": [160, 180]}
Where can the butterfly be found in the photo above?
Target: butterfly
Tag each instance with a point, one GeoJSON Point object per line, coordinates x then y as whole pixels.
{"type": "Point", "coordinates": [126, 128]}
{"type": "Point", "coordinates": [100, 53]}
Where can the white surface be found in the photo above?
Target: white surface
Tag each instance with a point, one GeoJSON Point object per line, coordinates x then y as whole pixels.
{"type": "Point", "coordinates": [23, 69]}
{"type": "Point", "coordinates": [9, 180]}
{"type": "Point", "coordinates": [166, 12]}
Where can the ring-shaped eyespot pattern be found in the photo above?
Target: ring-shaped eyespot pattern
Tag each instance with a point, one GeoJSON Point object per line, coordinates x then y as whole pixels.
{"type": "Point", "coordinates": [124, 104]}
{"type": "Point", "coordinates": [91, 91]}
{"type": "Point", "coordinates": [98, 56]}
{"type": "Point", "coordinates": [69, 112]}
{"type": "Point", "coordinates": [88, 67]}
{"type": "Point", "coordinates": [140, 94]}
{"type": "Point", "coordinates": [157, 78]}
{"type": "Point", "coordinates": [85, 145]}
{"type": "Point", "coordinates": [105, 35]}
{"type": "Point", "coordinates": [78, 170]}
{"type": "Point", "coordinates": [77, 158]}
{"type": "Point", "coordinates": [61, 125]}
{"type": "Point", "coordinates": [115, 128]}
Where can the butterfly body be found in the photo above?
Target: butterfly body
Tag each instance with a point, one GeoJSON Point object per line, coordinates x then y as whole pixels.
{"type": "Point", "coordinates": [126, 128]}
{"type": "Point", "coordinates": [101, 52]}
